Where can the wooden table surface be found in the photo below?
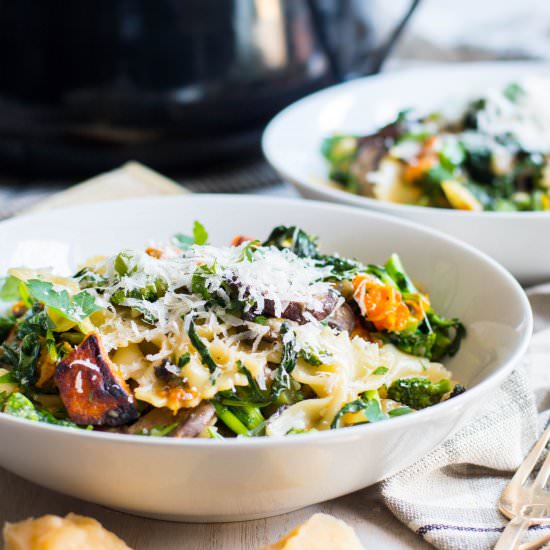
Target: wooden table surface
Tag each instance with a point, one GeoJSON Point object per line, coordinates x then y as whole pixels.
{"type": "Point", "coordinates": [376, 527]}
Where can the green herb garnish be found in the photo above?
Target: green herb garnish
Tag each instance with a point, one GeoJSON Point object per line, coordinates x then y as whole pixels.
{"type": "Point", "coordinates": [369, 404]}
{"type": "Point", "coordinates": [22, 407]}
{"type": "Point", "coordinates": [185, 242]}
{"type": "Point", "coordinates": [380, 370]}
{"type": "Point", "coordinates": [202, 349]}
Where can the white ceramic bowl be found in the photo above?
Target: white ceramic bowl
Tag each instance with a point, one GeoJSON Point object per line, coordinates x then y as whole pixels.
{"type": "Point", "coordinates": [209, 480]}
{"type": "Point", "coordinates": [292, 142]}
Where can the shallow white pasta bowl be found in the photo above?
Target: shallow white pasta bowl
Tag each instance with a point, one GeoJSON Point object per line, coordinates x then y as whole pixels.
{"type": "Point", "coordinates": [213, 480]}
{"type": "Point", "coordinates": [292, 142]}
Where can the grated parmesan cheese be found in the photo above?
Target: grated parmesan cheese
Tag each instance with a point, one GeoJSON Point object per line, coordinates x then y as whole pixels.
{"type": "Point", "coordinates": [78, 382]}
{"type": "Point", "coordinates": [527, 117]}
{"type": "Point", "coordinates": [277, 276]}
{"type": "Point", "coordinates": [84, 363]}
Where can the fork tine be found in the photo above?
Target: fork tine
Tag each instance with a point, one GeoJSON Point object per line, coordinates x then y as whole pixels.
{"type": "Point", "coordinates": [535, 544]}
{"type": "Point", "coordinates": [524, 471]}
{"type": "Point", "coordinates": [542, 477]}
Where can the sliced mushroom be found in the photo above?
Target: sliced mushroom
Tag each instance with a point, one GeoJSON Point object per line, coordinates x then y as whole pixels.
{"type": "Point", "coordinates": [371, 149]}
{"type": "Point", "coordinates": [298, 312]}
{"type": "Point", "coordinates": [90, 388]}
{"type": "Point", "coordinates": [190, 422]}
{"type": "Point", "coordinates": [369, 155]}
{"type": "Point", "coordinates": [342, 319]}
{"type": "Point", "coordinates": [197, 420]}
{"type": "Point", "coordinates": [295, 311]}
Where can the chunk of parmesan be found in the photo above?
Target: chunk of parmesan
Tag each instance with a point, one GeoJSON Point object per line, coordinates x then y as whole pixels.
{"type": "Point", "coordinates": [319, 532]}
{"type": "Point", "coordinates": [54, 532]}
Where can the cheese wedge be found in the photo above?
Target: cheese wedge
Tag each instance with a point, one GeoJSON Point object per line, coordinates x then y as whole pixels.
{"type": "Point", "coordinates": [319, 532]}
{"type": "Point", "coordinates": [55, 533]}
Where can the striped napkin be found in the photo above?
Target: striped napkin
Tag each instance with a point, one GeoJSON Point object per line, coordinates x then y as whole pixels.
{"type": "Point", "coordinates": [450, 496]}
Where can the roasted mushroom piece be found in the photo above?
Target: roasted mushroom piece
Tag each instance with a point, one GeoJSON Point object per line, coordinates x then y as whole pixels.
{"type": "Point", "coordinates": [371, 150]}
{"type": "Point", "coordinates": [90, 388]}
{"type": "Point", "coordinates": [197, 420]}
{"type": "Point", "coordinates": [298, 312]}
{"type": "Point", "coordinates": [342, 318]}
{"type": "Point", "coordinates": [189, 422]}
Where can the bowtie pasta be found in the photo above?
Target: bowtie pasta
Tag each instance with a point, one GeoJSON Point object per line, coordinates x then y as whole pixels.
{"type": "Point", "coordinates": [190, 339]}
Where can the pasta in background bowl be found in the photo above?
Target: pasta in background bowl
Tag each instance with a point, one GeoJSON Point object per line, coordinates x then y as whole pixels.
{"type": "Point", "coordinates": [479, 172]}
{"type": "Point", "coordinates": [228, 342]}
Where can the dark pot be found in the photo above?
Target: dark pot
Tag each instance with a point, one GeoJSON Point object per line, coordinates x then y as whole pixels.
{"type": "Point", "coordinates": [87, 85]}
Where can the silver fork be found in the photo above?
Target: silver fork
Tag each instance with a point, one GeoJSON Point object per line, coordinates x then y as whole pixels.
{"type": "Point", "coordinates": [526, 503]}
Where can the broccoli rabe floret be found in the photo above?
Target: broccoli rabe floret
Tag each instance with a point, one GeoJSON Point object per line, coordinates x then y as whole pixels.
{"type": "Point", "coordinates": [418, 393]}
{"type": "Point", "coordinates": [19, 405]}
{"type": "Point", "coordinates": [431, 336]}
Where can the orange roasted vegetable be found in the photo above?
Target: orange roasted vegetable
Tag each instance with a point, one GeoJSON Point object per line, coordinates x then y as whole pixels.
{"type": "Point", "coordinates": [91, 389]}
{"type": "Point", "coordinates": [154, 252]}
{"type": "Point", "coordinates": [46, 369]}
{"type": "Point", "coordinates": [426, 159]}
{"type": "Point", "coordinates": [384, 306]}
{"type": "Point", "coordinates": [240, 239]}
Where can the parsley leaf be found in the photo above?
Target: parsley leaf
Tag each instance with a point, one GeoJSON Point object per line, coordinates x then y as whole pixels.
{"type": "Point", "coordinates": [75, 309]}
{"type": "Point", "coordinates": [185, 242]}
{"type": "Point", "coordinates": [182, 241]}
{"type": "Point", "coordinates": [9, 289]}
{"type": "Point", "coordinates": [85, 302]}
{"type": "Point", "coordinates": [248, 250]}
{"type": "Point", "coordinates": [200, 235]}
{"type": "Point", "coordinates": [368, 403]}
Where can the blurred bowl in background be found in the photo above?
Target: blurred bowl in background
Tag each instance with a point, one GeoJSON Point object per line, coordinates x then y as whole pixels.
{"type": "Point", "coordinates": [292, 143]}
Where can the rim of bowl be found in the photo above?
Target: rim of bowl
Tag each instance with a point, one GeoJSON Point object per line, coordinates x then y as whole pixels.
{"type": "Point", "coordinates": [369, 202]}
{"type": "Point", "coordinates": [322, 436]}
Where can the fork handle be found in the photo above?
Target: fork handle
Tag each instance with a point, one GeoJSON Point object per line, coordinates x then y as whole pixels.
{"type": "Point", "coordinates": [512, 535]}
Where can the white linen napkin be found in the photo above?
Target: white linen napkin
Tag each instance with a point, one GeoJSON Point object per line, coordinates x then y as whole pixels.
{"type": "Point", "coordinates": [450, 496]}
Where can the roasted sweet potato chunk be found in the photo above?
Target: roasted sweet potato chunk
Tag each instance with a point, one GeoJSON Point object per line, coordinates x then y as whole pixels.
{"type": "Point", "coordinates": [90, 388]}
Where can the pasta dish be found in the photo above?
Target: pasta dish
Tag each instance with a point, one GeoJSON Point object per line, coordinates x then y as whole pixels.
{"type": "Point", "coordinates": [188, 339]}
{"type": "Point", "coordinates": [491, 154]}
